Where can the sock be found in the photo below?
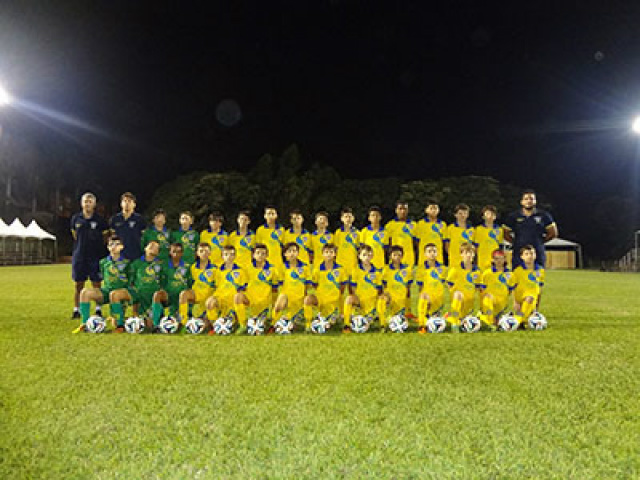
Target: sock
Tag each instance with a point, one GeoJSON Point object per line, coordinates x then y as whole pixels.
{"type": "Point", "coordinates": [183, 311]}
{"type": "Point", "coordinates": [308, 315]}
{"type": "Point", "coordinates": [118, 312]}
{"type": "Point", "coordinates": [381, 307]}
{"type": "Point", "coordinates": [98, 309]}
{"type": "Point", "coordinates": [241, 311]}
{"type": "Point", "coordinates": [487, 307]}
{"type": "Point", "coordinates": [85, 310]}
{"type": "Point", "coordinates": [190, 309]}
{"type": "Point", "coordinates": [456, 307]}
{"type": "Point", "coordinates": [348, 311]}
{"type": "Point", "coordinates": [407, 306]}
{"type": "Point", "coordinates": [156, 313]}
{"type": "Point", "coordinates": [527, 309]}
{"type": "Point", "coordinates": [423, 311]}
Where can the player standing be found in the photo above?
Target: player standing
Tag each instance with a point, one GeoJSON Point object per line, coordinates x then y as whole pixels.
{"type": "Point", "coordinates": [431, 230]}
{"type": "Point", "coordinates": [488, 237]}
{"type": "Point", "coordinates": [375, 236]}
{"type": "Point", "coordinates": [187, 237]}
{"type": "Point", "coordinates": [128, 225]}
{"type": "Point", "coordinates": [271, 234]}
{"type": "Point", "coordinates": [458, 233]}
{"type": "Point", "coordinates": [243, 239]}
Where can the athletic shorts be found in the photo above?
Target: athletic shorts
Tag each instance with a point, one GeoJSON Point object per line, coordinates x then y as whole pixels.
{"type": "Point", "coordinates": [144, 298]}
{"type": "Point", "coordinates": [396, 306]}
{"type": "Point", "coordinates": [85, 269]}
{"type": "Point", "coordinates": [520, 296]}
{"type": "Point", "coordinates": [258, 304]}
{"type": "Point", "coordinates": [107, 291]}
{"type": "Point", "coordinates": [368, 306]}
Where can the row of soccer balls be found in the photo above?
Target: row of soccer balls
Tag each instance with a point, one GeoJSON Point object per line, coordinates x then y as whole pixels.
{"type": "Point", "coordinates": [284, 326]}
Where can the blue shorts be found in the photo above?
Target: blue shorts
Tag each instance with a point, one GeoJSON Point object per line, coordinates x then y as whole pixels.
{"type": "Point", "coordinates": [84, 269]}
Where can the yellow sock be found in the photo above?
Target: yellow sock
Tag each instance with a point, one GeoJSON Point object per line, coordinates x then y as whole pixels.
{"type": "Point", "coordinates": [407, 306]}
{"type": "Point", "coordinates": [527, 309]}
{"type": "Point", "coordinates": [241, 313]}
{"type": "Point", "coordinates": [456, 308]}
{"type": "Point", "coordinates": [487, 310]}
{"type": "Point", "coordinates": [423, 310]}
{"type": "Point", "coordinates": [183, 310]}
{"type": "Point", "coordinates": [308, 315]}
{"type": "Point", "coordinates": [381, 309]}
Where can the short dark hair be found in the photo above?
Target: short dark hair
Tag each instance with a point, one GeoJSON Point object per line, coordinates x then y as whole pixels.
{"type": "Point", "coordinates": [527, 248]}
{"type": "Point", "coordinates": [229, 248]}
{"type": "Point", "coordinates": [346, 210]}
{"type": "Point", "coordinates": [401, 202]}
{"type": "Point", "coordinates": [187, 212]}
{"type": "Point", "coordinates": [429, 245]}
{"type": "Point", "coordinates": [270, 207]}
{"type": "Point", "coordinates": [159, 211]}
{"type": "Point", "coordinates": [177, 245]}
{"type": "Point", "coordinates": [128, 195]}
{"type": "Point", "coordinates": [260, 246]}
{"type": "Point", "coordinates": [461, 206]}
{"type": "Point", "coordinates": [216, 216]}
{"type": "Point", "coordinates": [374, 208]}
{"type": "Point", "coordinates": [329, 246]}
{"type": "Point", "coordinates": [204, 245]}
{"type": "Point", "coordinates": [489, 208]}
{"type": "Point", "coordinates": [295, 211]}
{"type": "Point", "coordinates": [289, 245]}
{"type": "Point", "coordinates": [322, 213]}
{"type": "Point", "coordinates": [528, 191]}
{"type": "Point", "coordinates": [396, 248]}
{"type": "Point", "coordinates": [365, 248]}
{"type": "Point", "coordinates": [432, 201]}
{"type": "Point", "coordinates": [246, 213]}
{"type": "Point", "coordinates": [114, 238]}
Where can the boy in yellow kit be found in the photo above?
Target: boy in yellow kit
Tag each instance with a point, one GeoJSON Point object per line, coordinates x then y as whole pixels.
{"type": "Point", "coordinates": [464, 280]}
{"type": "Point", "coordinates": [263, 282]}
{"type": "Point", "coordinates": [375, 236]}
{"type": "Point", "coordinates": [366, 289]}
{"type": "Point", "coordinates": [231, 282]}
{"type": "Point", "coordinates": [346, 239]}
{"type": "Point", "coordinates": [243, 239]}
{"type": "Point", "coordinates": [431, 230]}
{"type": "Point", "coordinates": [401, 231]}
{"type": "Point", "coordinates": [397, 278]}
{"type": "Point", "coordinates": [529, 280]}
{"type": "Point", "coordinates": [215, 236]}
{"type": "Point", "coordinates": [298, 234]}
{"type": "Point", "coordinates": [431, 276]}
{"type": "Point", "coordinates": [271, 234]}
{"type": "Point", "coordinates": [458, 232]}
{"type": "Point", "coordinates": [329, 280]}
{"type": "Point", "coordinates": [203, 273]}
{"type": "Point", "coordinates": [488, 237]}
{"type": "Point", "coordinates": [497, 284]}
{"type": "Point", "coordinates": [321, 237]}
{"type": "Point", "coordinates": [295, 278]}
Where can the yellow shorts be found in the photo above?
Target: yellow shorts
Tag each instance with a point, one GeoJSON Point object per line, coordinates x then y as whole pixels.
{"type": "Point", "coordinates": [327, 307]}
{"type": "Point", "coordinates": [436, 300]}
{"type": "Point", "coordinates": [520, 296]}
{"type": "Point", "coordinates": [368, 305]}
{"type": "Point", "coordinates": [202, 295]}
{"type": "Point", "coordinates": [294, 306]}
{"type": "Point", "coordinates": [500, 304]}
{"type": "Point", "coordinates": [467, 306]}
{"type": "Point", "coordinates": [396, 305]}
{"type": "Point", "coordinates": [258, 304]}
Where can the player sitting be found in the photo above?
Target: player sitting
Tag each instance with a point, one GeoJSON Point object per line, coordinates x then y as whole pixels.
{"type": "Point", "coordinates": [431, 277]}
{"type": "Point", "coordinates": [365, 289]}
{"type": "Point", "coordinates": [147, 280]}
{"type": "Point", "coordinates": [295, 279]}
{"type": "Point", "coordinates": [497, 284]}
{"type": "Point", "coordinates": [397, 278]}
{"type": "Point", "coordinates": [203, 274]}
{"type": "Point", "coordinates": [115, 272]}
{"type": "Point", "coordinates": [177, 280]}
{"type": "Point", "coordinates": [330, 280]}
{"type": "Point", "coordinates": [229, 299]}
{"type": "Point", "coordinates": [463, 279]}
{"type": "Point", "coordinates": [529, 280]}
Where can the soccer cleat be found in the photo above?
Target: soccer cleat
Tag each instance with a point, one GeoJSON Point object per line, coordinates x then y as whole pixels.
{"type": "Point", "coordinates": [119, 329]}
{"type": "Point", "coordinates": [80, 329]}
{"type": "Point", "coordinates": [308, 330]}
{"type": "Point", "coordinates": [241, 330]}
{"type": "Point", "coordinates": [383, 329]}
{"type": "Point", "coordinates": [422, 330]}
{"type": "Point", "coordinates": [75, 315]}
{"type": "Point", "coordinates": [98, 312]}
{"type": "Point", "coordinates": [346, 329]}
{"type": "Point", "coordinates": [271, 331]}
{"type": "Point", "coordinates": [211, 332]}
{"type": "Point", "coordinates": [492, 328]}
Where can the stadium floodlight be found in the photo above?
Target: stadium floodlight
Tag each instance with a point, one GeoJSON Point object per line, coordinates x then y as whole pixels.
{"type": "Point", "coordinates": [636, 125]}
{"type": "Point", "coordinates": [5, 98]}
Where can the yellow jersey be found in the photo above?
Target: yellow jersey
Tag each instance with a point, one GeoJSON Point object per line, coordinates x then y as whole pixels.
{"type": "Point", "coordinates": [366, 284]}
{"type": "Point", "coordinates": [319, 240]}
{"type": "Point", "coordinates": [347, 243]}
{"type": "Point", "coordinates": [499, 283]}
{"type": "Point", "coordinates": [329, 282]}
{"type": "Point", "coordinates": [432, 279]}
{"type": "Point", "coordinates": [261, 281]}
{"type": "Point", "coordinates": [431, 232]}
{"type": "Point", "coordinates": [217, 240]}
{"type": "Point", "coordinates": [402, 233]}
{"type": "Point", "coordinates": [528, 281]}
{"type": "Point", "coordinates": [377, 240]}
{"type": "Point", "coordinates": [230, 281]}
{"type": "Point", "coordinates": [244, 246]}
{"type": "Point", "coordinates": [204, 277]}
{"type": "Point", "coordinates": [302, 239]}
{"type": "Point", "coordinates": [465, 281]}
{"type": "Point", "coordinates": [294, 280]}
{"type": "Point", "coordinates": [397, 281]}
{"type": "Point", "coordinates": [487, 240]}
{"type": "Point", "coordinates": [272, 238]}
{"type": "Point", "coordinates": [456, 236]}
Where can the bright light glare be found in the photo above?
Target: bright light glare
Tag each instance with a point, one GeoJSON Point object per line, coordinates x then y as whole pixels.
{"type": "Point", "coordinates": [636, 125]}
{"type": "Point", "coordinates": [5, 98]}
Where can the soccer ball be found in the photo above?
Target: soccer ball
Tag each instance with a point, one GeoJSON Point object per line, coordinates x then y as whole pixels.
{"type": "Point", "coordinates": [320, 325]}
{"type": "Point", "coordinates": [359, 324]}
{"type": "Point", "coordinates": [95, 324]}
{"type": "Point", "coordinates": [134, 325]}
{"type": "Point", "coordinates": [169, 325]}
{"type": "Point", "coordinates": [470, 324]}
{"type": "Point", "coordinates": [255, 326]}
{"type": "Point", "coordinates": [398, 324]}
{"type": "Point", "coordinates": [436, 325]}
{"type": "Point", "coordinates": [537, 321]}
{"type": "Point", "coordinates": [508, 323]}
{"type": "Point", "coordinates": [223, 326]}
{"type": "Point", "coordinates": [284, 326]}
{"type": "Point", "coordinates": [194, 326]}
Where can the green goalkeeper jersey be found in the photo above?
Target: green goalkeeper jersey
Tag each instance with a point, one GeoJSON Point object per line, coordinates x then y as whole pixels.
{"type": "Point", "coordinates": [189, 240]}
{"type": "Point", "coordinates": [115, 273]}
{"type": "Point", "coordinates": [147, 276]}
{"type": "Point", "coordinates": [177, 278]}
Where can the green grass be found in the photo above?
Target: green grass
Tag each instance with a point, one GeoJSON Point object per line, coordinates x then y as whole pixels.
{"type": "Point", "coordinates": [563, 403]}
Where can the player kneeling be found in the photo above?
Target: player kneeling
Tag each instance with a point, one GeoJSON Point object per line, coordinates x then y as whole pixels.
{"type": "Point", "coordinates": [203, 274]}
{"type": "Point", "coordinates": [397, 278]}
{"type": "Point", "coordinates": [431, 278]}
{"type": "Point", "coordinates": [497, 284]}
{"type": "Point", "coordinates": [529, 280]}
{"type": "Point", "coordinates": [294, 280]}
{"type": "Point", "coordinates": [464, 280]}
{"type": "Point", "coordinates": [366, 296]}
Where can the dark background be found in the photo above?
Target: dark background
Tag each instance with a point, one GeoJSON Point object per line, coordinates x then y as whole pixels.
{"type": "Point", "coordinates": [535, 94]}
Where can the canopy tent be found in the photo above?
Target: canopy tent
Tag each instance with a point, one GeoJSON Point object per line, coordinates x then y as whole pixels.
{"type": "Point", "coordinates": [24, 245]}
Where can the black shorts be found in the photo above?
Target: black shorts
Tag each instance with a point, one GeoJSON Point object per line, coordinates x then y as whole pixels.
{"type": "Point", "coordinates": [84, 269]}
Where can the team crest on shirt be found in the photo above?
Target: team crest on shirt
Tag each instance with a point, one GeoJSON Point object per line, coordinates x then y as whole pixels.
{"type": "Point", "coordinates": [132, 224]}
{"type": "Point", "coordinates": [538, 219]}
{"type": "Point", "coordinates": [93, 225]}
{"type": "Point", "coordinates": [78, 225]}
{"type": "Point", "coordinates": [504, 277]}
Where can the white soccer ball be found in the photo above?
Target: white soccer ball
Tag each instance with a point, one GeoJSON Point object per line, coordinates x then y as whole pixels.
{"type": "Point", "coordinates": [398, 324]}
{"type": "Point", "coordinates": [223, 326]}
{"type": "Point", "coordinates": [255, 326]}
{"type": "Point", "coordinates": [508, 323]}
{"type": "Point", "coordinates": [194, 326]}
{"type": "Point", "coordinates": [470, 324]}
{"type": "Point", "coordinates": [169, 325]}
{"type": "Point", "coordinates": [436, 324]}
{"type": "Point", "coordinates": [360, 324]}
{"type": "Point", "coordinates": [320, 325]}
{"type": "Point", "coordinates": [95, 324]}
{"type": "Point", "coordinates": [537, 321]}
{"type": "Point", "coordinates": [134, 325]}
{"type": "Point", "coordinates": [284, 326]}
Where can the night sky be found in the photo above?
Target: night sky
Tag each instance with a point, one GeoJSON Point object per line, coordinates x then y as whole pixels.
{"type": "Point", "coordinates": [539, 94]}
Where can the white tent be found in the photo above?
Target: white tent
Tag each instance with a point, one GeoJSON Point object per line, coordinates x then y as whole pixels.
{"type": "Point", "coordinates": [14, 243]}
{"type": "Point", "coordinates": [36, 231]}
{"type": "Point", "coordinates": [17, 229]}
{"type": "Point", "coordinates": [3, 228]}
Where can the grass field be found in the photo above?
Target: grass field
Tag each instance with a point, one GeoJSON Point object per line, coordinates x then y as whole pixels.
{"type": "Point", "coordinates": [563, 403]}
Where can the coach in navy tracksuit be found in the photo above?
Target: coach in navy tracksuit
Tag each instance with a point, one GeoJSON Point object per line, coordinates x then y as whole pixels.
{"type": "Point", "coordinates": [529, 226]}
{"type": "Point", "coordinates": [129, 225]}
{"type": "Point", "coordinates": [88, 230]}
